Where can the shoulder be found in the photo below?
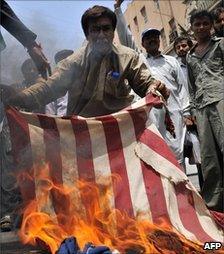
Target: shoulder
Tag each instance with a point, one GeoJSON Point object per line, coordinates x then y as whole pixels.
{"type": "Point", "coordinates": [78, 54]}
{"type": "Point", "coordinates": [123, 50]}
{"type": "Point", "coordinates": [220, 42]}
{"type": "Point", "coordinates": [172, 60]}
{"type": "Point", "coordinates": [73, 59]}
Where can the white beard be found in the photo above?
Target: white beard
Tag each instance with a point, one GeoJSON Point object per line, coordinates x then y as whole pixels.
{"type": "Point", "coordinates": [101, 46]}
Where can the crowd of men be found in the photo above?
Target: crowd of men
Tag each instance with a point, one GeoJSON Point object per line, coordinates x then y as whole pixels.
{"type": "Point", "coordinates": [102, 78]}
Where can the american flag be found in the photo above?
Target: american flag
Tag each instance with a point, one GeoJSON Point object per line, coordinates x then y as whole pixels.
{"type": "Point", "coordinates": [125, 143]}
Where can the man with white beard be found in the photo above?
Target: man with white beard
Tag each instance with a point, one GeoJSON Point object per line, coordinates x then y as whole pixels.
{"type": "Point", "coordinates": [98, 77]}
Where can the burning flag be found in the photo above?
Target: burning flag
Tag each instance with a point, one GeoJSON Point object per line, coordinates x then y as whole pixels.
{"type": "Point", "coordinates": [110, 180]}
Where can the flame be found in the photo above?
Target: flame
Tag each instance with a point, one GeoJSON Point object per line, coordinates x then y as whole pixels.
{"type": "Point", "coordinates": [84, 211]}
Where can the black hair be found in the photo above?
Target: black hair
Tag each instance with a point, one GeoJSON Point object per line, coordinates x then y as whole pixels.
{"type": "Point", "coordinates": [200, 14]}
{"type": "Point", "coordinates": [94, 13]}
{"type": "Point", "coordinates": [62, 54]}
{"type": "Point", "coordinates": [217, 12]}
{"type": "Point", "coordinates": [183, 38]}
{"type": "Point", "coordinates": [26, 65]}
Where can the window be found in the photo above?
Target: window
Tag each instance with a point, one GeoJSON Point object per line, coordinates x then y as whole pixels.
{"type": "Point", "coordinates": [144, 15]}
{"type": "Point", "coordinates": [136, 24]}
{"type": "Point", "coordinates": [156, 2]}
{"type": "Point", "coordinates": [173, 30]}
{"type": "Point", "coordinates": [172, 24]}
{"type": "Point", "coordinates": [163, 37]}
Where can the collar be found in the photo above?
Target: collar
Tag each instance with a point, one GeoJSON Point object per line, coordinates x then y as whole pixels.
{"type": "Point", "coordinates": [213, 39]}
{"type": "Point", "coordinates": [154, 57]}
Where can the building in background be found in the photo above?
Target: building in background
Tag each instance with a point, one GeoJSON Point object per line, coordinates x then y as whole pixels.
{"type": "Point", "coordinates": [171, 17]}
{"type": "Point", "coordinates": [167, 16]}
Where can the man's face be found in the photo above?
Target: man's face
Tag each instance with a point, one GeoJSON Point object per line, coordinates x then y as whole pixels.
{"type": "Point", "coordinates": [182, 48]}
{"type": "Point", "coordinates": [151, 43]}
{"type": "Point", "coordinates": [219, 25]}
{"type": "Point", "coordinates": [101, 35]}
{"type": "Point", "coordinates": [202, 27]}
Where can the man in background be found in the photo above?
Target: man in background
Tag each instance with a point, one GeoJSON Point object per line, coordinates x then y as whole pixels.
{"type": "Point", "coordinates": [182, 46]}
{"type": "Point", "coordinates": [206, 88]}
{"type": "Point", "coordinates": [167, 69]}
{"type": "Point", "coordinates": [218, 16]}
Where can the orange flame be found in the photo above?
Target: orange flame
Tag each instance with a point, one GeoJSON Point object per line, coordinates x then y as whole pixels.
{"type": "Point", "coordinates": [84, 211]}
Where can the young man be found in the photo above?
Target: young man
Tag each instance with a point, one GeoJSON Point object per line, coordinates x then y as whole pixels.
{"type": "Point", "coordinates": [218, 16]}
{"type": "Point", "coordinates": [206, 87]}
{"type": "Point", "coordinates": [98, 77]}
{"type": "Point", "coordinates": [167, 69]}
{"type": "Point", "coordinates": [182, 46]}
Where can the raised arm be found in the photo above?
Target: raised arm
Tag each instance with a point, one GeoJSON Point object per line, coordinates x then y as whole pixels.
{"type": "Point", "coordinates": [26, 37]}
{"type": "Point", "coordinates": [48, 90]}
{"type": "Point", "coordinates": [123, 31]}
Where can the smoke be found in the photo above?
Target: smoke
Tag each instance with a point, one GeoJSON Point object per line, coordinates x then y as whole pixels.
{"type": "Point", "coordinates": [52, 39]}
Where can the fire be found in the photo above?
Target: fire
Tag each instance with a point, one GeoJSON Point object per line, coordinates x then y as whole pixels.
{"type": "Point", "coordinates": [84, 211]}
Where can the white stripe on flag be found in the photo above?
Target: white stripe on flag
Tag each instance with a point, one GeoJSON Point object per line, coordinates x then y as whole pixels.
{"type": "Point", "coordinates": [172, 208]}
{"type": "Point", "coordinates": [206, 221]}
{"type": "Point", "coordinates": [100, 154]}
{"type": "Point", "coordinates": [158, 162]}
{"type": "Point", "coordinates": [136, 182]}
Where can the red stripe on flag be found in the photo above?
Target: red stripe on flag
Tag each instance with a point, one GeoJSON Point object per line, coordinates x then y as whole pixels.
{"type": "Point", "coordinates": [83, 149]}
{"type": "Point", "coordinates": [152, 180]}
{"type": "Point", "coordinates": [117, 164]}
{"type": "Point", "coordinates": [157, 144]}
{"type": "Point", "coordinates": [61, 202]}
{"type": "Point", "coordinates": [84, 162]}
{"type": "Point", "coordinates": [22, 153]}
{"type": "Point", "coordinates": [155, 194]}
{"type": "Point", "coordinates": [53, 150]}
{"type": "Point", "coordinates": [188, 214]}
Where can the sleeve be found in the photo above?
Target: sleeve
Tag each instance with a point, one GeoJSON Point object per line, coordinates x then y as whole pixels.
{"type": "Point", "coordinates": [15, 27]}
{"type": "Point", "coordinates": [191, 87]}
{"type": "Point", "coordinates": [47, 91]}
{"type": "Point", "coordinates": [183, 91]}
{"type": "Point", "coordinates": [139, 77]}
{"type": "Point", "coordinates": [123, 32]}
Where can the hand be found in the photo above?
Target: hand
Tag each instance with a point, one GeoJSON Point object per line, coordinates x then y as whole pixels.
{"type": "Point", "coordinates": [157, 86]}
{"type": "Point", "coordinates": [118, 3]}
{"type": "Point", "coordinates": [41, 62]}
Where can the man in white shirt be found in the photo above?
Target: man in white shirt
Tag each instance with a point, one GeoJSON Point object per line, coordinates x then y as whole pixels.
{"type": "Point", "coordinates": [166, 69]}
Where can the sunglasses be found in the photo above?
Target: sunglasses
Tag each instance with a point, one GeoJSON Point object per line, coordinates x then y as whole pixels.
{"type": "Point", "coordinates": [97, 29]}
